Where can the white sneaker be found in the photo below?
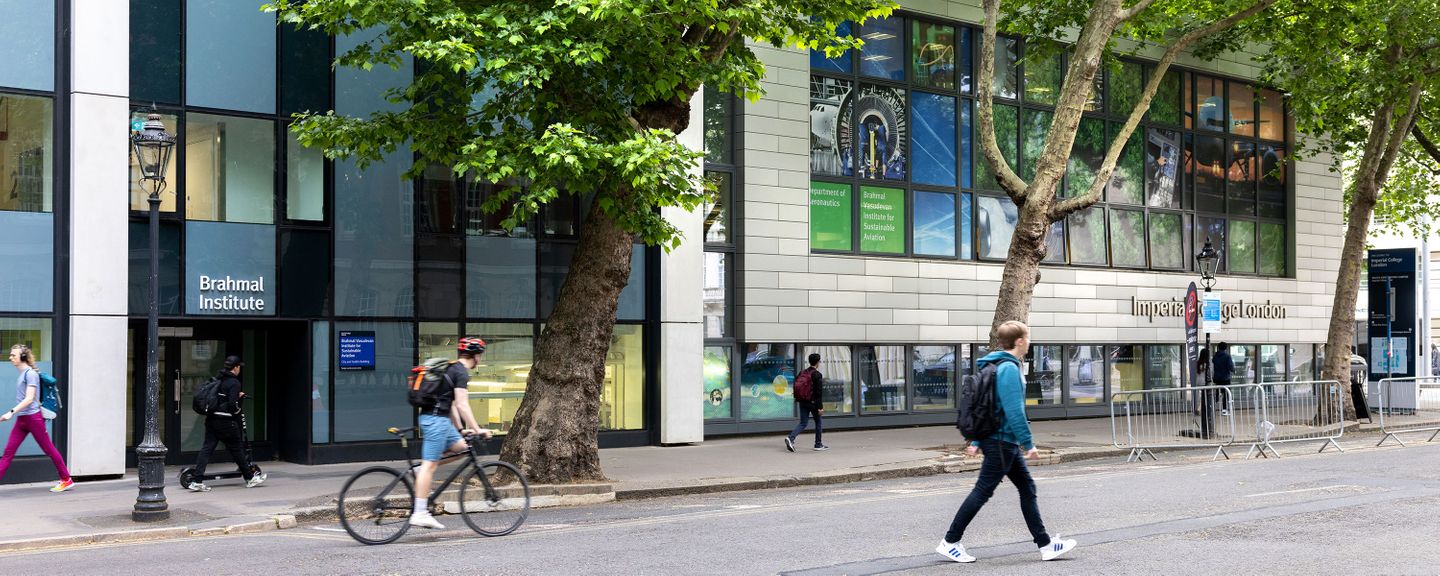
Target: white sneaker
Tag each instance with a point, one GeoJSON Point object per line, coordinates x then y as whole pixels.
{"type": "Point", "coordinates": [255, 480]}
{"type": "Point", "coordinates": [1055, 548]}
{"type": "Point", "coordinates": [425, 520]}
{"type": "Point", "coordinates": [954, 552]}
{"type": "Point", "coordinates": [197, 487]}
{"type": "Point", "coordinates": [789, 444]}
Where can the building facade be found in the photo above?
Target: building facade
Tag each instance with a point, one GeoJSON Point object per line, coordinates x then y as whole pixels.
{"type": "Point", "coordinates": [853, 218]}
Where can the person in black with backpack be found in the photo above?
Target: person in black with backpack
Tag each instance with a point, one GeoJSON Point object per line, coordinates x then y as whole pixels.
{"type": "Point", "coordinates": [223, 424]}
{"type": "Point", "coordinates": [808, 385]}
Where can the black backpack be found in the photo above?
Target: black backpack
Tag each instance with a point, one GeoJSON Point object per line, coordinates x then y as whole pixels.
{"type": "Point", "coordinates": [430, 382]}
{"type": "Point", "coordinates": [207, 397]}
{"type": "Point", "coordinates": [980, 413]}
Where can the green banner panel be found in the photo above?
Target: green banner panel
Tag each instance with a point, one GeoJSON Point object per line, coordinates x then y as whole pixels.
{"type": "Point", "coordinates": [882, 220]}
{"type": "Point", "coordinates": [830, 206]}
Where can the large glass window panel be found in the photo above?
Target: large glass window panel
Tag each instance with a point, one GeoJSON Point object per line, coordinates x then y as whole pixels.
{"type": "Point", "coordinates": [1126, 369]}
{"type": "Point", "coordinates": [1166, 250]}
{"type": "Point", "coordinates": [28, 285]}
{"type": "Point", "coordinates": [1042, 384]}
{"type": "Point", "coordinates": [714, 296]}
{"type": "Point", "coordinates": [155, 32]}
{"type": "Point", "coordinates": [1165, 107]}
{"type": "Point", "coordinates": [478, 222]}
{"type": "Point", "coordinates": [304, 181]}
{"type": "Point", "coordinates": [934, 140]}
{"type": "Point", "coordinates": [882, 220]}
{"type": "Point", "coordinates": [835, 367]}
{"type": "Point", "coordinates": [932, 376]}
{"type": "Point", "coordinates": [140, 193]}
{"type": "Point", "coordinates": [27, 44]}
{"type": "Point", "coordinates": [1209, 169]}
{"type": "Point", "coordinates": [1055, 244]}
{"type": "Point", "coordinates": [139, 273]}
{"type": "Point", "coordinates": [1272, 363]}
{"type": "Point", "coordinates": [1087, 236]}
{"type": "Point", "coordinates": [1127, 238]}
{"type": "Point", "coordinates": [1272, 115]}
{"type": "Point", "coordinates": [883, 55]}
{"type": "Point", "coordinates": [1245, 369]}
{"type": "Point", "coordinates": [374, 238]}
{"type": "Point", "coordinates": [882, 128]}
{"type": "Point", "coordinates": [632, 296]}
{"type": "Point", "coordinates": [439, 275]}
{"type": "Point", "coordinates": [229, 169]}
{"type": "Point", "coordinates": [715, 369]}
{"type": "Point", "coordinates": [882, 378]}
{"type": "Point", "coordinates": [1127, 182]}
{"type": "Point", "coordinates": [304, 263]}
{"type": "Point", "coordinates": [832, 108]}
{"type": "Point", "coordinates": [360, 92]}
{"type": "Point", "coordinates": [439, 201]}
{"type": "Point", "coordinates": [1125, 88]}
{"type": "Point", "coordinates": [967, 60]}
{"type": "Point", "coordinates": [716, 209]}
{"type": "Point", "coordinates": [967, 160]}
{"type": "Point", "coordinates": [37, 334]}
{"type": "Point", "coordinates": [1086, 156]}
{"type": "Point", "coordinates": [996, 218]}
{"type": "Point", "coordinates": [1166, 367]}
{"type": "Point", "coordinates": [1302, 363]}
{"type": "Point", "coordinates": [319, 382]}
{"type": "Point", "coordinates": [1241, 242]}
{"type": "Point", "coordinates": [1085, 374]}
{"type": "Point", "coordinates": [1242, 109]}
{"type": "Point", "coordinates": [1210, 103]}
{"type": "Point", "coordinates": [967, 238]}
{"type": "Point", "coordinates": [222, 251]}
{"type": "Point", "coordinates": [500, 277]}
{"type": "Point", "coordinates": [304, 70]}
{"type": "Point", "coordinates": [932, 54]}
{"type": "Point", "coordinates": [27, 152]}
{"type": "Point", "coordinates": [1214, 231]}
{"type": "Point", "coordinates": [1042, 80]}
{"type": "Point", "coordinates": [365, 400]}
{"type": "Point", "coordinates": [766, 374]}
{"type": "Point", "coordinates": [1272, 249]}
{"type": "Point", "coordinates": [229, 56]}
{"type": "Point", "coordinates": [719, 113]}
{"type": "Point", "coordinates": [934, 223]}
{"type": "Point", "coordinates": [842, 63]}
{"type": "Point", "coordinates": [1007, 73]}
{"type": "Point", "coordinates": [560, 217]}
{"type": "Point", "coordinates": [555, 266]}
{"type": "Point", "coordinates": [1241, 177]}
{"type": "Point", "coordinates": [1007, 129]}
{"type": "Point", "coordinates": [1036, 126]}
{"type": "Point", "coordinates": [831, 206]}
{"type": "Point", "coordinates": [1162, 167]}
{"type": "Point", "coordinates": [1272, 182]}
{"type": "Point", "coordinates": [497, 383]}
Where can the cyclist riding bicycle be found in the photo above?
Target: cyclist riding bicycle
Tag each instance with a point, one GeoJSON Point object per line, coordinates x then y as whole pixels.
{"type": "Point", "coordinates": [438, 424]}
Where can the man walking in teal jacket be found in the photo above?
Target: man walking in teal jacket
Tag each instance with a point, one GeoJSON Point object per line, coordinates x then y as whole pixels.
{"type": "Point", "coordinates": [1003, 452]}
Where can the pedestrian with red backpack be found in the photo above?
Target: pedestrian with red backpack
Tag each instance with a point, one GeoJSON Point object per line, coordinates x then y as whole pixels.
{"type": "Point", "coordinates": [808, 385]}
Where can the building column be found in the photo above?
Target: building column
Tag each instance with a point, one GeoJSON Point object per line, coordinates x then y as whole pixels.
{"type": "Point", "coordinates": [99, 219]}
{"type": "Point", "coordinates": [682, 341]}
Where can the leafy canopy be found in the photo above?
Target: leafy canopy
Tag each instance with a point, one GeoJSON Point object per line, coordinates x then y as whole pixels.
{"type": "Point", "coordinates": [561, 97]}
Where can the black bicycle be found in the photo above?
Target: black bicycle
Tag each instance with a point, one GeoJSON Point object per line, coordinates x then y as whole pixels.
{"type": "Point", "coordinates": [375, 504]}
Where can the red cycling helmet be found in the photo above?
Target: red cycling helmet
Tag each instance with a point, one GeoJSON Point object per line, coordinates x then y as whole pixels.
{"type": "Point", "coordinates": [471, 345]}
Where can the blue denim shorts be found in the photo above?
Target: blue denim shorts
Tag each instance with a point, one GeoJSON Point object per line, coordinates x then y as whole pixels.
{"type": "Point", "coordinates": [437, 434]}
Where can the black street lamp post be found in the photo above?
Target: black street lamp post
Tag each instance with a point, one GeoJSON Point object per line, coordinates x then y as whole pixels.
{"type": "Point", "coordinates": [1209, 261]}
{"type": "Point", "coordinates": [152, 146]}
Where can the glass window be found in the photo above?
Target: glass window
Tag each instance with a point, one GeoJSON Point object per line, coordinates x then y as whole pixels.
{"type": "Point", "coordinates": [1007, 128]}
{"type": "Point", "coordinates": [304, 181]}
{"type": "Point", "coordinates": [717, 208]}
{"type": "Point", "coordinates": [304, 262]}
{"type": "Point", "coordinates": [1085, 374]}
{"type": "Point", "coordinates": [480, 223]}
{"type": "Point", "coordinates": [229, 169]}
{"type": "Point", "coordinates": [881, 127]}
{"type": "Point", "coordinates": [439, 275]}
{"type": "Point", "coordinates": [1096, 99]}
{"type": "Point", "coordinates": [1042, 385]}
{"type": "Point", "coordinates": [140, 194]}
{"type": "Point", "coordinates": [719, 112]}
{"type": "Point", "coordinates": [1187, 89]}
{"type": "Point", "coordinates": [996, 222]}
{"type": "Point", "coordinates": [932, 53]}
{"type": "Point", "coordinates": [882, 220]}
{"type": "Point", "coordinates": [1162, 162]}
{"type": "Point", "coordinates": [35, 333]}
{"type": "Point", "coordinates": [835, 367]}
{"type": "Point", "coordinates": [1165, 248]}
{"type": "Point", "coordinates": [932, 371]}
{"type": "Point", "coordinates": [714, 302]}
{"type": "Point", "coordinates": [883, 53]}
{"type": "Point", "coordinates": [1272, 249]}
{"type": "Point", "coordinates": [438, 198]}
{"type": "Point", "coordinates": [1242, 109]}
{"type": "Point", "coordinates": [934, 140]}
{"type": "Point", "coordinates": [1125, 87]}
{"type": "Point", "coordinates": [1208, 163]}
{"type": "Point", "coordinates": [1244, 357]}
{"type": "Point", "coordinates": [1166, 368]}
{"type": "Point", "coordinates": [841, 63]}
{"type": "Point", "coordinates": [1242, 176]}
{"type": "Point", "coordinates": [497, 383]}
{"type": "Point", "coordinates": [1127, 237]}
{"type": "Point", "coordinates": [1214, 231]}
{"type": "Point", "coordinates": [1272, 363]}
{"type": "Point", "coordinates": [154, 49]}
{"type": "Point", "coordinates": [882, 378]}
{"type": "Point", "coordinates": [560, 217]}
{"type": "Point", "coordinates": [500, 277]}
{"type": "Point", "coordinates": [1242, 247]}
{"type": "Point", "coordinates": [374, 238]}
{"type": "Point", "coordinates": [1007, 75]}
{"type": "Point", "coordinates": [1210, 101]}
{"type": "Point", "coordinates": [1303, 366]}
{"type": "Point", "coordinates": [1272, 182]}
{"type": "Point", "coordinates": [1086, 156]}
{"type": "Point", "coordinates": [966, 159]}
{"type": "Point", "coordinates": [1036, 126]}
{"type": "Point", "coordinates": [1166, 105]}
{"type": "Point", "coordinates": [27, 152]}
{"type": "Point", "coordinates": [967, 60]}
{"type": "Point", "coordinates": [1087, 236]}
{"type": "Point", "coordinates": [716, 371]}
{"type": "Point", "coordinates": [832, 148]}
{"type": "Point", "coordinates": [632, 297]}
{"type": "Point", "coordinates": [555, 266]}
{"type": "Point", "coordinates": [139, 274]}
{"type": "Point", "coordinates": [319, 382]}
{"type": "Point", "coordinates": [1042, 80]}
{"type": "Point", "coordinates": [27, 41]}
{"type": "Point", "coordinates": [29, 284]}
{"type": "Point", "coordinates": [766, 373]}
{"type": "Point", "coordinates": [1127, 182]}
{"type": "Point", "coordinates": [934, 223]}
{"type": "Point", "coordinates": [218, 250]}
{"type": "Point", "coordinates": [369, 401]}
{"type": "Point", "coordinates": [360, 92]}
{"type": "Point", "coordinates": [967, 242]}
{"type": "Point", "coordinates": [830, 220]}
{"type": "Point", "coordinates": [229, 56]}
{"type": "Point", "coordinates": [1055, 244]}
{"type": "Point", "coordinates": [1126, 368]}
{"type": "Point", "coordinates": [304, 70]}
{"type": "Point", "coordinates": [1272, 115]}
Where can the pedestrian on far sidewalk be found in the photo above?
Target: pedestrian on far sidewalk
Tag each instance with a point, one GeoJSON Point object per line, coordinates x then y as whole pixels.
{"type": "Point", "coordinates": [1224, 369]}
{"type": "Point", "coordinates": [1003, 451]}
{"type": "Point", "coordinates": [224, 425]}
{"type": "Point", "coordinates": [28, 420]}
{"type": "Point", "coordinates": [810, 401]}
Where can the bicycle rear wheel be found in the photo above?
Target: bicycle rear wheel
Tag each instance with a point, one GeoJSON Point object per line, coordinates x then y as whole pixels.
{"type": "Point", "coordinates": [375, 505]}
{"type": "Point", "coordinates": [496, 507]}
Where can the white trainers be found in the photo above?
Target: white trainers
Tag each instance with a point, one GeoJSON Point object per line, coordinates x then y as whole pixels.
{"type": "Point", "coordinates": [1055, 548]}
{"type": "Point", "coordinates": [197, 487]}
{"type": "Point", "coordinates": [789, 444]}
{"type": "Point", "coordinates": [425, 520]}
{"type": "Point", "coordinates": [255, 480]}
{"type": "Point", "coordinates": [955, 552]}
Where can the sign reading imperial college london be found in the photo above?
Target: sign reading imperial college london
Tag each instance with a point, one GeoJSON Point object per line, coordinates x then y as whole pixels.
{"type": "Point", "coordinates": [232, 294]}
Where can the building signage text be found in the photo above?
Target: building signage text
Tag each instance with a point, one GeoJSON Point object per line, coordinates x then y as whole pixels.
{"type": "Point", "coordinates": [219, 294]}
{"type": "Point", "coordinates": [1175, 308]}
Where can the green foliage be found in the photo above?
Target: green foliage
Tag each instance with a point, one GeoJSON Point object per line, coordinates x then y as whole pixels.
{"type": "Point", "coordinates": [561, 97]}
{"type": "Point", "coordinates": [1409, 204]}
{"type": "Point", "coordinates": [1007, 119]}
{"type": "Point", "coordinates": [1053, 22]}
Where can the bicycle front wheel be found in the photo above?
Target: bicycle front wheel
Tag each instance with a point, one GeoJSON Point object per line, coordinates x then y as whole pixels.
{"type": "Point", "coordinates": [375, 505]}
{"type": "Point", "coordinates": [495, 499]}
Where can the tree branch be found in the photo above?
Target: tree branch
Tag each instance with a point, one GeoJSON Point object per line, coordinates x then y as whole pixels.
{"type": "Point", "coordinates": [1008, 180]}
{"type": "Point", "coordinates": [1425, 142]}
{"type": "Point", "coordinates": [1133, 11]}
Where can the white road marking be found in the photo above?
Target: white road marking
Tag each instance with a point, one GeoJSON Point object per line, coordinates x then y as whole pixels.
{"type": "Point", "coordinates": [328, 529]}
{"type": "Point", "coordinates": [1299, 490]}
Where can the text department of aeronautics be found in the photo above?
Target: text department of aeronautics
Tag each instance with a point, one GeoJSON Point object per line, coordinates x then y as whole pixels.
{"type": "Point", "coordinates": [226, 300]}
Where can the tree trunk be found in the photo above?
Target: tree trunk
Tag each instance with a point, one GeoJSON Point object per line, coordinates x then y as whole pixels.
{"type": "Point", "coordinates": [1022, 267]}
{"type": "Point", "coordinates": [1347, 287]}
{"type": "Point", "coordinates": [554, 436]}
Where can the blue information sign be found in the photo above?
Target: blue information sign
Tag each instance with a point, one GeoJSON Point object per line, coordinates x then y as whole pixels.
{"type": "Point", "coordinates": [357, 350]}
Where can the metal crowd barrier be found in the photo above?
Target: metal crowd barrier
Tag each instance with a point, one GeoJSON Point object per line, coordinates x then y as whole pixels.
{"type": "Point", "coordinates": [1298, 412]}
{"type": "Point", "coordinates": [1409, 405]}
{"type": "Point", "coordinates": [1192, 417]}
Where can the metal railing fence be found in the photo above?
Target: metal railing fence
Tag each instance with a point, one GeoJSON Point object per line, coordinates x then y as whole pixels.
{"type": "Point", "coordinates": [1408, 405]}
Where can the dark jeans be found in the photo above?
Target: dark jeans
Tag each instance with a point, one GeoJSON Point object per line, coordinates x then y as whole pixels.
{"type": "Point", "coordinates": [1002, 460]}
{"type": "Point", "coordinates": [806, 412]}
{"type": "Point", "coordinates": [227, 430]}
